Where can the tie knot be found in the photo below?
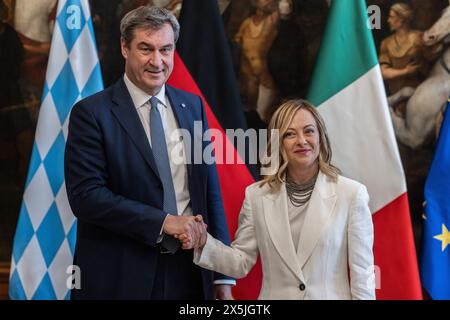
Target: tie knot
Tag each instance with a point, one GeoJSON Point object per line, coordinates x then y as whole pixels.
{"type": "Point", "coordinates": [154, 102]}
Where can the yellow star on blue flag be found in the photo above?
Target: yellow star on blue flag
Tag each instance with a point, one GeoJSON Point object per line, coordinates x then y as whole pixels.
{"type": "Point", "coordinates": [435, 254]}
{"type": "Point", "coordinates": [444, 237]}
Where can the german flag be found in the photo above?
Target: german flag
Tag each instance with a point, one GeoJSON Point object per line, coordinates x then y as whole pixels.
{"type": "Point", "coordinates": [203, 66]}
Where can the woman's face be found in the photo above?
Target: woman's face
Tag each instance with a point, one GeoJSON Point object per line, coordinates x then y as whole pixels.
{"type": "Point", "coordinates": [394, 21]}
{"type": "Point", "coordinates": [302, 142]}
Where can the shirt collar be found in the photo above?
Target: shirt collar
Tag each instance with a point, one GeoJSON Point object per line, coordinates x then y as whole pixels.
{"type": "Point", "coordinates": [140, 97]}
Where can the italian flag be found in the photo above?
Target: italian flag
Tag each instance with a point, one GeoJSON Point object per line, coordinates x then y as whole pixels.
{"type": "Point", "coordinates": [348, 89]}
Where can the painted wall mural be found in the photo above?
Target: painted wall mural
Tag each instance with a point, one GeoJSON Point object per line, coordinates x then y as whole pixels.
{"type": "Point", "coordinates": [274, 44]}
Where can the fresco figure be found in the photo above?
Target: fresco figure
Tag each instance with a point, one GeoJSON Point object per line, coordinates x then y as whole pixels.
{"type": "Point", "coordinates": [401, 55]}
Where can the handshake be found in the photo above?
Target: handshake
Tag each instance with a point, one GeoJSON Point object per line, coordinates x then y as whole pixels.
{"type": "Point", "coordinates": [189, 230]}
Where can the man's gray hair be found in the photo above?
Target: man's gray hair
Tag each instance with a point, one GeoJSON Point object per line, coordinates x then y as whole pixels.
{"type": "Point", "coordinates": [147, 17]}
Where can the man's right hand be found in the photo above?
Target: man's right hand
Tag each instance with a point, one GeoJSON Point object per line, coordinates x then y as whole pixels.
{"type": "Point", "coordinates": [189, 242]}
{"type": "Point", "coordinates": [190, 226]}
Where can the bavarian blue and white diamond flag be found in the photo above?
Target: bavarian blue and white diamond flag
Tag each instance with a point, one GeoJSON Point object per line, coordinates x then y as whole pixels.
{"type": "Point", "coordinates": [45, 236]}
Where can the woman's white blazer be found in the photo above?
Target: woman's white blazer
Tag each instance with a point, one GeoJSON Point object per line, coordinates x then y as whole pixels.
{"type": "Point", "coordinates": [334, 259]}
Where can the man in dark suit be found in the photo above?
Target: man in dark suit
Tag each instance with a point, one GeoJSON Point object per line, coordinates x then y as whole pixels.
{"type": "Point", "coordinates": [126, 187]}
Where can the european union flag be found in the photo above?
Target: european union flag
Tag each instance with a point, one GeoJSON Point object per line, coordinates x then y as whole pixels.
{"type": "Point", "coordinates": [46, 231]}
{"type": "Point", "coordinates": [435, 259]}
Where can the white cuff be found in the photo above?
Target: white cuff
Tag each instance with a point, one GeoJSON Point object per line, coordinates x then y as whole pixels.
{"type": "Point", "coordinates": [225, 281]}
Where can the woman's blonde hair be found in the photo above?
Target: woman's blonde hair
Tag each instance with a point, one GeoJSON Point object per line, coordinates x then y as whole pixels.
{"type": "Point", "coordinates": [281, 121]}
{"type": "Point", "coordinates": [404, 11]}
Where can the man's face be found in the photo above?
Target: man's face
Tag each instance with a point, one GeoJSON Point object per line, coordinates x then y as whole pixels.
{"type": "Point", "coordinates": [149, 57]}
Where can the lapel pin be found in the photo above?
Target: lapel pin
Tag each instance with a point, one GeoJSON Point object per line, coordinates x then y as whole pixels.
{"type": "Point", "coordinates": [183, 105]}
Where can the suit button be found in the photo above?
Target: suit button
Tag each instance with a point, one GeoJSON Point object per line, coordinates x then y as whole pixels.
{"type": "Point", "coordinates": [302, 287]}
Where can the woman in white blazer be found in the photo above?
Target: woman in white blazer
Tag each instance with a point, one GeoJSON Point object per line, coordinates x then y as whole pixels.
{"type": "Point", "coordinates": [311, 226]}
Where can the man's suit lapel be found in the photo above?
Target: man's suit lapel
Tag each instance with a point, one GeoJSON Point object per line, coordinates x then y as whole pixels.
{"type": "Point", "coordinates": [126, 114]}
{"type": "Point", "coordinates": [181, 109]}
{"type": "Point", "coordinates": [318, 216]}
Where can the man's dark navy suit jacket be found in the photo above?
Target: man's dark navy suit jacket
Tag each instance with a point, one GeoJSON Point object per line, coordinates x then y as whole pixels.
{"type": "Point", "coordinates": [114, 190]}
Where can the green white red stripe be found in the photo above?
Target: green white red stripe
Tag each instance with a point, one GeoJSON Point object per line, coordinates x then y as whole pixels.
{"type": "Point", "coordinates": [348, 89]}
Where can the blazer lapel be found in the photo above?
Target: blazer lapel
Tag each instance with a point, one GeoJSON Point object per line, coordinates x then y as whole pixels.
{"type": "Point", "coordinates": [126, 114]}
{"type": "Point", "coordinates": [183, 115]}
{"type": "Point", "coordinates": [277, 221]}
{"type": "Point", "coordinates": [320, 209]}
